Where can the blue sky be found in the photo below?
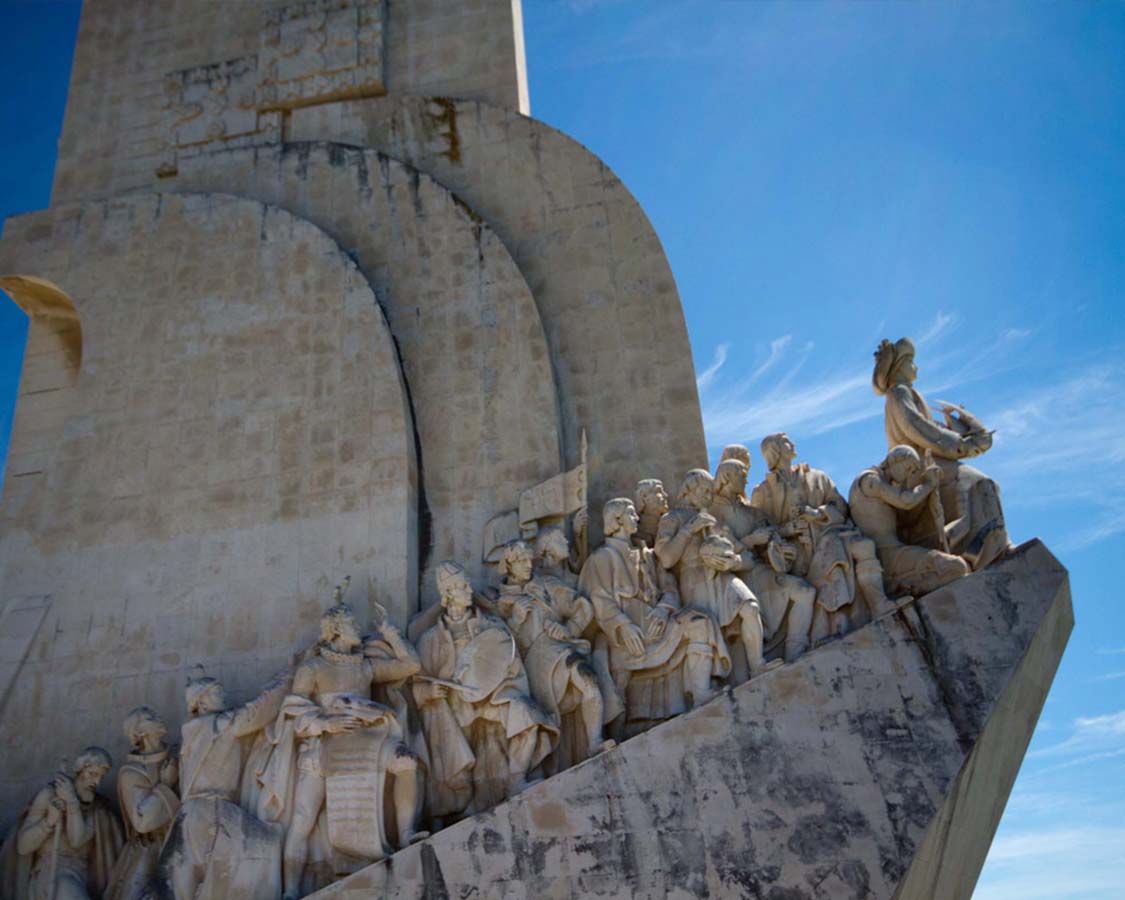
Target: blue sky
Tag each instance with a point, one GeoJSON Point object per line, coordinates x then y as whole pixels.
{"type": "Point", "coordinates": [824, 175]}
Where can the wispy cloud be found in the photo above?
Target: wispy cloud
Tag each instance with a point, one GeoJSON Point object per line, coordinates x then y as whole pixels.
{"type": "Point", "coordinates": [1108, 676]}
{"type": "Point", "coordinates": [1093, 738]}
{"type": "Point", "coordinates": [707, 375]}
{"type": "Point", "coordinates": [943, 323]}
{"type": "Point", "coordinates": [1054, 430]}
{"type": "Point", "coordinates": [777, 350]}
{"type": "Point", "coordinates": [1055, 862]}
{"type": "Point", "coordinates": [809, 396]}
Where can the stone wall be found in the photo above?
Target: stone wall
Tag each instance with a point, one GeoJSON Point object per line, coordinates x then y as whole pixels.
{"type": "Point", "coordinates": [236, 439]}
{"type": "Point", "coordinates": [593, 261]}
{"type": "Point", "coordinates": [151, 80]}
{"type": "Point", "coordinates": [468, 332]}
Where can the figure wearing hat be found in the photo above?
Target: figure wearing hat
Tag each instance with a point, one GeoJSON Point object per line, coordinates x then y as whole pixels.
{"type": "Point", "coordinates": [970, 501]}
{"type": "Point", "coordinates": [216, 848]}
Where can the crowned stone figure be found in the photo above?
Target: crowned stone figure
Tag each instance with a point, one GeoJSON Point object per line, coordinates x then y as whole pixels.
{"type": "Point", "coordinates": [347, 747]}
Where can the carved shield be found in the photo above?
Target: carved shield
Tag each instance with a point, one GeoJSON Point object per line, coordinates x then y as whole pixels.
{"type": "Point", "coordinates": [354, 783]}
{"type": "Point", "coordinates": [484, 662]}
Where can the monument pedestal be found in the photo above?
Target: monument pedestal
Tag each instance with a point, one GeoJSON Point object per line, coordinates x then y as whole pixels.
{"type": "Point", "coordinates": [877, 765]}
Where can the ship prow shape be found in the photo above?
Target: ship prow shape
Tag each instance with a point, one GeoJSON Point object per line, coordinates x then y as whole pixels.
{"type": "Point", "coordinates": [877, 765]}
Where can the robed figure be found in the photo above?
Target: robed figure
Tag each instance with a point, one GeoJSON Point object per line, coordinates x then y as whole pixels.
{"type": "Point", "coordinates": [146, 794]}
{"type": "Point", "coordinates": [484, 731]}
{"type": "Point", "coordinates": [66, 842]}
{"type": "Point", "coordinates": [661, 657]}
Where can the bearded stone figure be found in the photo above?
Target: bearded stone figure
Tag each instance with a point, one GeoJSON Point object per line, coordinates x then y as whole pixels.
{"type": "Point", "coordinates": [786, 601]}
{"type": "Point", "coordinates": [974, 527]}
{"type": "Point", "coordinates": [661, 656]}
{"type": "Point", "coordinates": [832, 554]}
{"type": "Point", "coordinates": [146, 793]}
{"type": "Point", "coordinates": [67, 841]}
{"type": "Point", "coordinates": [485, 733]}
{"type": "Point", "coordinates": [548, 619]}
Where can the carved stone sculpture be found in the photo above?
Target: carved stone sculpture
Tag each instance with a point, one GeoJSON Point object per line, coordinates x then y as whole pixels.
{"type": "Point", "coordinates": [785, 600]}
{"type": "Point", "coordinates": [553, 556]}
{"type": "Point", "coordinates": [682, 530]}
{"type": "Point", "coordinates": [975, 528]}
{"type": "Point", "coordinates": [485, 733]}
{"type": "Point", "coordinates": [67, 840]}
{"type": "Point", "coordinates": [661, 656]}
{"type": "Point", "coordinates": [652, 504]}
{"type": "Point", "coordinates": [548, 619]}
{"type": "Point", "coordinates": [346, 747]}
{"type": "Point", "coordinates": [894, 499]}
{"type": "Point", "coordinates": [146, 793]}
{"type": "Point", "coordinates": [832, 554]}
{"type": "Point", "coordinates": [736, 451]}
{"type": "Point", "coordinates": [726, 598]}
{"type": "Point", "coordinates": [217, 848]}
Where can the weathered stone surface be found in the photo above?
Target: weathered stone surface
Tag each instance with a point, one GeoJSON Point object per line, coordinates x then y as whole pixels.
{"type": "Point", "coordinates": [597, 270]}
{"type": "Point", "coordinates": [236, 438]}
{"type": "Point", "coordinates": [154, 81]}
{"type": "Point", "coordinates": [818, 780]}
{"type": "Point", "coordinates": [471, 342]}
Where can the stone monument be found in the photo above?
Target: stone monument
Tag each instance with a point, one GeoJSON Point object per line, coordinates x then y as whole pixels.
{"type": "Point", "coordinates": [316, 297]}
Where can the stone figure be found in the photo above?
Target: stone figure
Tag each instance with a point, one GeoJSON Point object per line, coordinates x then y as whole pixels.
{"type": "Point", "coordinates": [548, 619]}
{"type": "Point", "coordinates": [484, 732]}
{"type": "Point", "coordinates": [894, 499]}
{"type": "Point", "coordinates": [727, 599]}
{"type": "Point", "coordinates": [681, 532]}
{"type": "Point", "coordinates": [786, 601]}
{"type": "Point", "coordinates": [975, 528]}
{"type": "Point", "coordinates": [346, 747]}
{"type": "Point", "coordinates": [661, 656]}
{"type": "Point", "coordinates": [66, 842]}
{"type": "Point", "coordinates": [553, 557]}
{"type": "Point", "coordinates": [736, 451]}
{"type": "Point", "coordinates": [146, 794]}
{"type": "Point", "coordinates": [652, 504]}
{"type": "Point", "coordinates": [832, 554]}
{"type": "Point", "coordinates": [216, 848]}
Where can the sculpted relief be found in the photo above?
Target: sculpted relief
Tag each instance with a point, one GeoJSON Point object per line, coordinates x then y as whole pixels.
{"type": "Point", "coordinates": [369, 742]}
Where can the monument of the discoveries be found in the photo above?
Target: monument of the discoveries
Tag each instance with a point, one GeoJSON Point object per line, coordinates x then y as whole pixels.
{"type": "Point", "coordinates": [355, 539]}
